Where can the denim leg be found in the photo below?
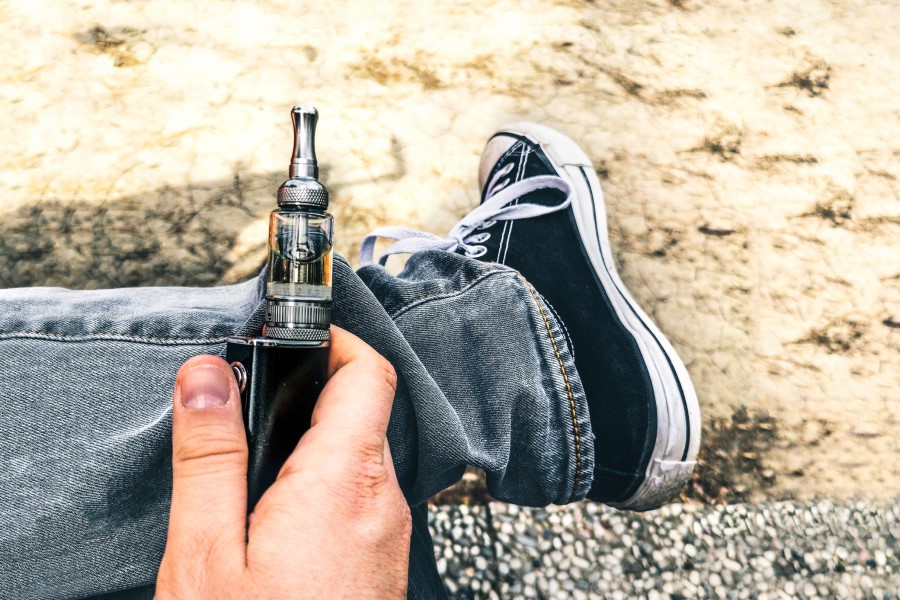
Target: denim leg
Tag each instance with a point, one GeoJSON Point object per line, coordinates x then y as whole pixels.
{"type": "Point", "coordinates": [85, 436]}
{"type": "Point", "coordinates": [485, 378]}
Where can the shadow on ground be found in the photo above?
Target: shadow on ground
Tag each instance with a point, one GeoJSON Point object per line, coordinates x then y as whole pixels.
{"type": "Point", "coordinates": [168, 236]}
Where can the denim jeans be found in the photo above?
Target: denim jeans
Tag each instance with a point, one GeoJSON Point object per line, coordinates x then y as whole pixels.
{"type": "Point", "coordinates": [486, 378]}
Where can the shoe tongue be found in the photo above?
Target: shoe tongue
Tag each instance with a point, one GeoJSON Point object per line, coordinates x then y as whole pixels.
{"type": "Point", "coordinates": [527, 161]}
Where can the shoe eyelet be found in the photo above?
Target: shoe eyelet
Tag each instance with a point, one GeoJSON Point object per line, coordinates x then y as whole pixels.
{"type": "Point", "coordinates": [477, 252]}
{"type": "Point", "coordinates": [500, 185]}
{"type": "Point", "coordinates": [496, 184]}
{"type": "Point", "coordinates": [479, 238]}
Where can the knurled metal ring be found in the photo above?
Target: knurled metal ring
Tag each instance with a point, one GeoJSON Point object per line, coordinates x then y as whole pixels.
{"type": "Point", "coordinates": [311, 314]}
{"type": "Point", "coordinates": [298, 334]}
{"type": "Point", "coordinates": [304, 196]}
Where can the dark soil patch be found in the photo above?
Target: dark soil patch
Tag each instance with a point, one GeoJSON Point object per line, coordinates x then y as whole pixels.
{"type": "Point", "coordinates": [837, 209]}
{"type": "Point", "coordinates": [812, 79]}
{"type": "Point", "coordinates": [726, 144]}
{"type": "Point", "coordinates": [838, 336]}
{"type": "Point", "coordinates": [114, 41]}
{"type": "Point", "coordinates": [732, 463]}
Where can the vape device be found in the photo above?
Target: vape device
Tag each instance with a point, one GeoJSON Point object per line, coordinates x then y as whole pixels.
{"type": "Point", "coordinates": [281, 372]}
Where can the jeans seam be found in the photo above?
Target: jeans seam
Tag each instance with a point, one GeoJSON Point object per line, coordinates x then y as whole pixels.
{"type": "Point", "coordinates": [40, 335]}
{"type": "Point", "coordinates": [565, 330]}
{"type": "Point", "coordinates": [419, 301]}
{"type": "Point", "coordinates": [569, 393]}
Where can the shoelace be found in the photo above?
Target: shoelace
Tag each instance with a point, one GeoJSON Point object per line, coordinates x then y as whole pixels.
{"type": "Point", "coordinates": [464, 236]}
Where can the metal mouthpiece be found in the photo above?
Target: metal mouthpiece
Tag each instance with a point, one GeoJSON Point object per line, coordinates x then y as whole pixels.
{"type": "Point", "coordinates": [303, 162]}
{"type": "Point", "coordinates": [303, 189]}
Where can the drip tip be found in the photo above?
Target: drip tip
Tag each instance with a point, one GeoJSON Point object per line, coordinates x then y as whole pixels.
{"type": "Point", "coordinates": [303, 161]}
{"type": "Point", "coordinates": [303, 188]}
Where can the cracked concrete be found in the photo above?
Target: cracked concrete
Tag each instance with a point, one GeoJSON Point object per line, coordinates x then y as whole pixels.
{"type": "Point", "coordinates": [749, 157]}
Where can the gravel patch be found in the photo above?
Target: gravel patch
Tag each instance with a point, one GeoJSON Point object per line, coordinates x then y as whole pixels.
{"type": "Point", "coordinates": [775, 550]}
{"type": "Point", "coordinates": [465, 550]}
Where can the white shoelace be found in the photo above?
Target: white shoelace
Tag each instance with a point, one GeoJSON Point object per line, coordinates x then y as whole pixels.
{"type": "Point", "coordinates": [463, 235]}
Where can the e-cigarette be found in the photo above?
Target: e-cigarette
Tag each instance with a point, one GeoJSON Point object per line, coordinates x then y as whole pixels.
{"type": "Point", "coordinates": [281, 372]}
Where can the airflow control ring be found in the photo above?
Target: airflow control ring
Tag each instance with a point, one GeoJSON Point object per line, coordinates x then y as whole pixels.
{"type": "Point", "coordinates": [291, 313]}
{"type": "Point", "coordinates": [298, 334]}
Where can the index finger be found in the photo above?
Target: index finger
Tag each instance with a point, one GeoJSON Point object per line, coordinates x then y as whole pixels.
{"type": "Point", "coordinates": [360, 391]}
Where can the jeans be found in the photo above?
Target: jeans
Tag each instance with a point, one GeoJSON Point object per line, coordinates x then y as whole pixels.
{"type": "Point", "coordinates": [485, 378]}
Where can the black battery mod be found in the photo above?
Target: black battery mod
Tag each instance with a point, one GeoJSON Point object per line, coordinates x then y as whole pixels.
{"type": "Point", "coordinates": [281, 372]}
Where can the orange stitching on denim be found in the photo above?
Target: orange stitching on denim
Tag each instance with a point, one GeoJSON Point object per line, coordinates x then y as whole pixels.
{"type": "Point", "coordinates": [568, 387]}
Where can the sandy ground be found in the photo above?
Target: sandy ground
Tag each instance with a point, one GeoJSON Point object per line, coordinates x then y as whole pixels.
{"type": "Point", "coordinates": [749, 151]}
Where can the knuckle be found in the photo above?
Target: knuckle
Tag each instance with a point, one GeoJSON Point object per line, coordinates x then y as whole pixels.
{"type": "Point", "coordinates": [389, 527]}
{"type": "Point", "coordinates": [368, 474]}
{"type": "Point", "coordinates": [358, 478]}
{"type": "Point", "coordinates": [207, 451]}
{"type": "Point", "coordinates": [406, 521]}
{"type": "Point", "coordinates": [380, 369]}
{"type": "Point", "coordinates": [389, 374]}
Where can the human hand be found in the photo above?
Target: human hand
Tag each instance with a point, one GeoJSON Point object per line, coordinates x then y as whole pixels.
{"type": "Point", "coordinates": [333, 525]}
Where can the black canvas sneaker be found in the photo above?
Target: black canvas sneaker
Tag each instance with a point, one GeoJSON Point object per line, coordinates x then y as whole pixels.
{"type": "Point", "coordinates": [643, 407]}
{"type": "Point", "coordinates": [542, 214]}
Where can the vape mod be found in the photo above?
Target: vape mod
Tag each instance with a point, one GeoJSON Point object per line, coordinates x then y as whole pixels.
{"type": "Point", "coordinates": [281, 372]}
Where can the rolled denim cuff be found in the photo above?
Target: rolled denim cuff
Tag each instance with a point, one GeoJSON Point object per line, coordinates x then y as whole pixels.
{"type": "Point", "coordinates": [563, 379]}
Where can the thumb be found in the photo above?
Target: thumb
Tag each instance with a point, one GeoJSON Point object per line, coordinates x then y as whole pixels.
{"type": "Point", "coordinates": [209, 465]}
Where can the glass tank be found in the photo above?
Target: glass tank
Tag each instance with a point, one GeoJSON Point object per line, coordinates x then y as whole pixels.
{"type": "Point", "coordinates": [300, 255]}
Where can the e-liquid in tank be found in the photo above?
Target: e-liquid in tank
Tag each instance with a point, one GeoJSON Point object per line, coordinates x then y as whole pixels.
{"type": "Point", "coordinates": [281, 372]}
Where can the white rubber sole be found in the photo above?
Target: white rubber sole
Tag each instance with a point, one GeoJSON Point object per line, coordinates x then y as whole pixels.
{"type": "Point", "coordinates": [678, 412]}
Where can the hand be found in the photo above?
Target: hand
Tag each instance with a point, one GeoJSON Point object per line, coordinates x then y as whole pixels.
{"type": "Point", "coordinates": [333, 525]}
